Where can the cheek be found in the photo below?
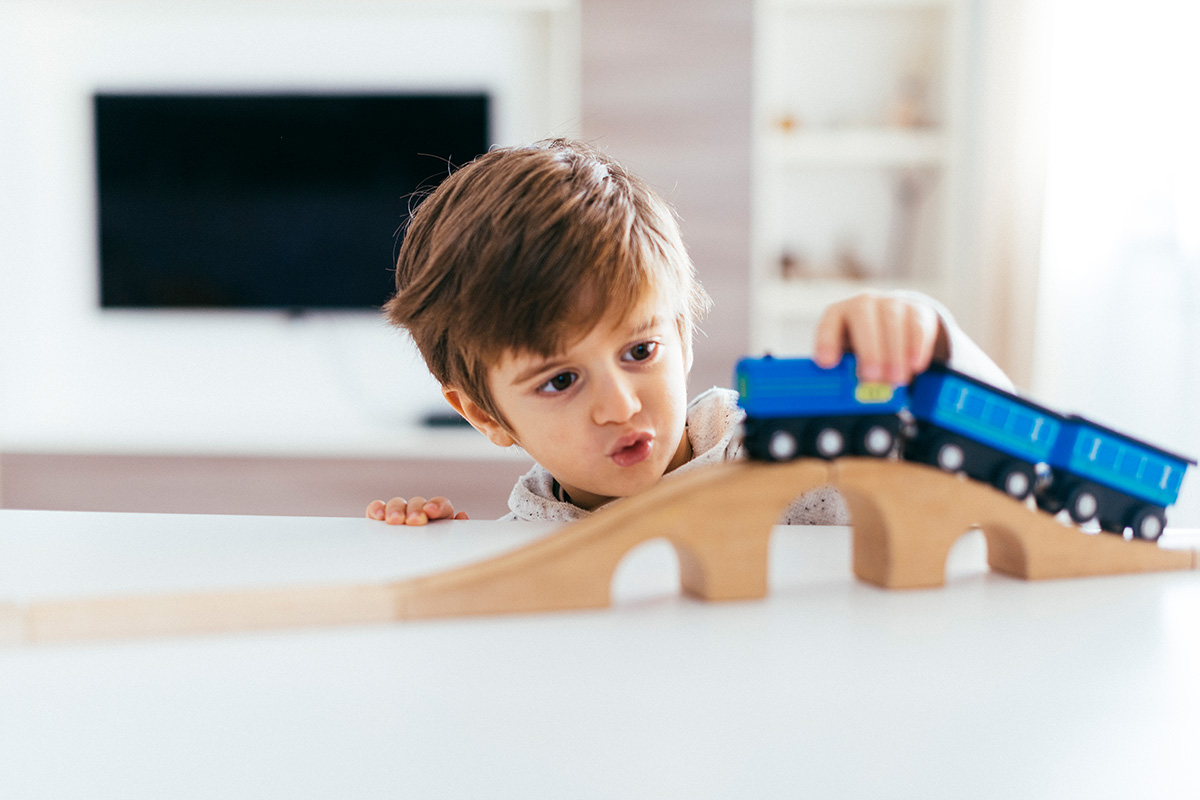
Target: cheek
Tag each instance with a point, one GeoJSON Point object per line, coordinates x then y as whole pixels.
{"type": "Point", "coordinates": [680, 368]}
{"type": "Point", "coordinates": [546, 432]}
{"type": "Point", "coordinates": [673, 389]}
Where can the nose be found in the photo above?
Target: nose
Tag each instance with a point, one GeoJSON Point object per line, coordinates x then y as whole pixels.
{"type": "Point", "coordinates": [615, 399]}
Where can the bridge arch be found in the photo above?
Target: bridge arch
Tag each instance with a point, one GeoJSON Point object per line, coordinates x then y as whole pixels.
{"type": "Point", "coordinates": [907, 516]}
{"type": "Point", "coordinates": [718, 519]}
{"type": "Point", "coordinates": [648, 571]}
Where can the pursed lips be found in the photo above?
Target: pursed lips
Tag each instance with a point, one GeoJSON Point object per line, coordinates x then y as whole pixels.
{"type": "Point", "coordinates": [631, 448]}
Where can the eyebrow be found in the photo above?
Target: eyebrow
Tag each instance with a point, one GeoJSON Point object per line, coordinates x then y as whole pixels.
{"type": "Point", "coordinates": [649, 324]}
{"type": "Point", "coordinates": [534, 371]}
{"type": "Point", "coordinates": [552, 364]}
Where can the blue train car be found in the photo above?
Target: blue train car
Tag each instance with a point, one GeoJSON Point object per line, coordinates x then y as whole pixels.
{"type": "Point", "coordinates": [1112, 477]}
{"type": "Point", "coordinates": [796, 408]}
{"type": "Point", "coordinates": [991, 435]}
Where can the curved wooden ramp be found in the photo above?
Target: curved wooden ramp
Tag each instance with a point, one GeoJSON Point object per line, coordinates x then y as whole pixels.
{"type": "Point", "coordinates": [719, 520]}
{"type": "Point", "coordinates": [905, 518]}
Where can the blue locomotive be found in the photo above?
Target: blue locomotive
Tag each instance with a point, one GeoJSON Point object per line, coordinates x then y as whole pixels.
{"type": "Point", "coordinates": [795, 408]}
{"type": "Point", "coordinates": [959, 424]}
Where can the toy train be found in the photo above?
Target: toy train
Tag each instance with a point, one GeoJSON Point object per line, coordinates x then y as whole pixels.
{"type": "Point", "coordinates": [794, 408]}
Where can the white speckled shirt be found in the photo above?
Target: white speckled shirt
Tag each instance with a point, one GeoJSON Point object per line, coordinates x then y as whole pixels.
{"type": "Point", "coordinates": [715, 432]}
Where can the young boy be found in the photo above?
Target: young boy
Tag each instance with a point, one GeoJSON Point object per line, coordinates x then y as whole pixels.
{"type": "Point", "coordinates": [551, 295]}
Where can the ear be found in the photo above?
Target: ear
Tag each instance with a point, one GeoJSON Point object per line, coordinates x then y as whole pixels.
{"type": "Point", "coordinates": [481, 420]}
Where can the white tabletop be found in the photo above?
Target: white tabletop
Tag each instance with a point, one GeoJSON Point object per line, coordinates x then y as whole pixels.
{"type": "Point", "coordinates": [989, 687]}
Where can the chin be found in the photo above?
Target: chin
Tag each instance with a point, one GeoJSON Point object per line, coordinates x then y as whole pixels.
{"type": "Point", "coordinates": [626, 483]}
{"type": "Point", "coordinates": [636, 484]}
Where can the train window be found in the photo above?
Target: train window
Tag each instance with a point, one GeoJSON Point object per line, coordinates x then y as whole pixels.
{"type": "Point", "coordinates": [996, 414]}
{"type": "Point", "coordinates": [1108, 454]}
{"type": "Point", "coordinates": [1023, 425]}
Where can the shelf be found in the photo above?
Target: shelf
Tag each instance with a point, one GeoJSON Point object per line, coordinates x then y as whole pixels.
{"type": "Point", "coordinates": [399, 442]}
{"type": "Point", "coordinates": [871, 147]}
{"type": "Point", "coordinates": [858, 149]}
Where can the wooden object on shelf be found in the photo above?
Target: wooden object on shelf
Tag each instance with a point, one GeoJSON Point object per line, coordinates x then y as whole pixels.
{"type": "Point", "coordinates": [905, 518]}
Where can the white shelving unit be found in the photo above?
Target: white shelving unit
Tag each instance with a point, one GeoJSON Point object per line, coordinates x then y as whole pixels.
{"type": "Point", "coordinates": [857, 139]}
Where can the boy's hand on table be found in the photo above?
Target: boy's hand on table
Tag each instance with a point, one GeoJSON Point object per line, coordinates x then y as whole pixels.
{"type": "Point", "coordinates": [414, 511]}
{"type": "Point", "coordinates": [893, 338]}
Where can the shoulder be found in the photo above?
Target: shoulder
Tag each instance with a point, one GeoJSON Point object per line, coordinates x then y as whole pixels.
{"type": "Point", "coordinates": [712, 412]}
{"type": "Point", "coordinates": [715, 404]}
{"type": "Point", "coordinates": [533, 500]}
{"type": "Point", "coordinates": [714, 426]}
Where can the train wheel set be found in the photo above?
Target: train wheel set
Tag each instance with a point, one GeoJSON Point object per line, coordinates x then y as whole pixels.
{"type": "Point", "coordinates": [826, 437]}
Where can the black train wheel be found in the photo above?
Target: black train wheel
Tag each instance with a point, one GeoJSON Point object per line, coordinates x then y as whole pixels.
{"type": "Point", "coordinates": [1015, 479]}
{"type": "Point", "coordinates": [825, 439]}
{"type": "Point", "coordinates": [949, 455]}
{"type": "Point", "coordinates": [782, 445]}
{"type": "Point", "coordinates": [1148, 523]}
{"type": "Point", "coordinates": [1082, 503]}
{"type": "Point", "coordinates": [876, 438]}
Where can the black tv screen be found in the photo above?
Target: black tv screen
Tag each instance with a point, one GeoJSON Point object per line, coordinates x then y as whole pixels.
{"type": "Point", "coordinates": [288, 202]}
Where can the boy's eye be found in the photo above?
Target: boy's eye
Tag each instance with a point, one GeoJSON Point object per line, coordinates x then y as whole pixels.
{"type": "Point", "coordinates": [558, 383]}
{"type": "Point", "coordinates": [642, 350]}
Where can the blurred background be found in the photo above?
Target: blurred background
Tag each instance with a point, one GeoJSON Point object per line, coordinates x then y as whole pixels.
{"type": "Point", "coordinates": [1032, 165]}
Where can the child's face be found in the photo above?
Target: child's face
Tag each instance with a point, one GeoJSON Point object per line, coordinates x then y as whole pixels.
{"type": "Point", "coordinates": [606, 417]}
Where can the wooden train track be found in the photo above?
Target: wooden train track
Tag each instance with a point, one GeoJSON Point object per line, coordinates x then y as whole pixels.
{"type": "Point", "coordinates": [905, 519]}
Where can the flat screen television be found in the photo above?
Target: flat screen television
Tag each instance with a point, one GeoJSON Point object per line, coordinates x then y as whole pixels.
{"type": "Point", "coordinates": [289, 202]}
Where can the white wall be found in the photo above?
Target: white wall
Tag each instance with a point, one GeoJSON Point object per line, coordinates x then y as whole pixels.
{"type": "Point", "coordinates": [77, 380]}
{"type": "Point", "coordinates": [1119, 308]}
{"type": "Point", "coordinates": [666, 90]}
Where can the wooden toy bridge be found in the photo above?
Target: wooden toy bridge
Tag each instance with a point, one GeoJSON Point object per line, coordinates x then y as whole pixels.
{"type": "Point", "coordinates": [905, 519]}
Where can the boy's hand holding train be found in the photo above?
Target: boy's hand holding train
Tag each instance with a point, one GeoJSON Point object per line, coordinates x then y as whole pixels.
{"type": "Point", "coordinates": [414, 511]}
{"type": "Point", "coordinates": [892, 337]}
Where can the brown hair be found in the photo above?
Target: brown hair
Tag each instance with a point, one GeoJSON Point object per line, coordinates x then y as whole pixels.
{"type": "Point", "coordinates": [525, 249]}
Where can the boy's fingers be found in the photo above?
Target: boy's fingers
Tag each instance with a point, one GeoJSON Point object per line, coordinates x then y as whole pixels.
{"type": "Point", "coordinates": [396, 511]}
{"type": "Point", "coordinates": [893, 343]}
{"type": "Point", "coordinates": [415, 512]}
{"type": "Point", "coordinates": [911, 345]}
{"type": "Point", "coordinates": [461, 515]}
{"type": "Point", "coordinates": [891, 337]}
{"type": "Point", "coordinates": [438, 508]}
{"type": "Point", "coordinates": [412, 511]}
{"type": "Point", "coordinates": [831, 337]}
{"type": "Point", "coordinates": [853, 323]}
{"type": "Point", "coordinates": [866, 334]}
{"type": "Point", "coordinates": [922, 337]}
